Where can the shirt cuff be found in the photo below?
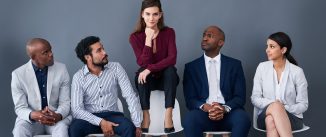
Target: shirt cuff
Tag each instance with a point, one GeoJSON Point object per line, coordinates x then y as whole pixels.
{"type": "Point", "coordinates": [147, 51]}
{"type": "Point", "coordinates": [287, 107]}
{"type": "Point", "coordinates": [97, 121]}
{"type": "Point", "coordinates": [30, 118]}
{"type": "Point", "coordinates": [227, 108]}
{"type": "Point", "coordinates": [201, 107]}
{"type": "Point", "coordinates": [137, 124]}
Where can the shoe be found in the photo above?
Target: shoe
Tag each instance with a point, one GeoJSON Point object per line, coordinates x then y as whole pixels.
{"type": "Point", "coordinates": [169, 130]}
{"type": "Point", "coordinates": [144, 130]}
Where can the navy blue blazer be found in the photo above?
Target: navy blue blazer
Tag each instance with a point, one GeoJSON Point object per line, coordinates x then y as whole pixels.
{"type": "Point", "coordinates": [232, 83]}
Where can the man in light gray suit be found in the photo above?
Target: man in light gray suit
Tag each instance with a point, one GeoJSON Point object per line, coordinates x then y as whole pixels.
{"type": "Point", "coordinates": [41, 95]}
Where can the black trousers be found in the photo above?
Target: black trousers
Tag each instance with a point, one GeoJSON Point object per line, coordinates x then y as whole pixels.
{"type": "Point", "coordinates": [166, 80]}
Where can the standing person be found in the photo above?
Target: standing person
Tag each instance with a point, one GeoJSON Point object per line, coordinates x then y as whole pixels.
{"type": "Point", "coordinates": [41, 95]}
{"type": "Point", "coordinates": [280, 89]}
{"type": "Point", "coordinates": [155, 49]}
{"type": "Point", "coordinates": [215, 90]}
{"type": "Point", "coordinates": [94, 95]}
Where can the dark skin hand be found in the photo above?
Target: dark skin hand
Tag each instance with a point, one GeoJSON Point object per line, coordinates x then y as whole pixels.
{"type": "Point", "coordinates": [46, 116]}
{"type": "Point", "coordinates": [56, 116]}
{"type": "Point", "coordinates": [42, 118]}
{"type": "Point", "coordinates": [138, 132]}
{"type": "Point", "coordinates": [107, 127]}
{"type": "Point", "coordinates": [215, 111]}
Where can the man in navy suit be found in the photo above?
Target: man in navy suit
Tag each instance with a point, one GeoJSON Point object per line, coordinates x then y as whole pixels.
{"type": "Point", "coordinates": [215, 90]}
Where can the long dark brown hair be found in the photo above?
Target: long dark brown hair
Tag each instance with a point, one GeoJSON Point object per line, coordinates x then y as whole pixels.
{"type": "Point", "coordinates": [141, 25]}
{"type": "Point", "coordinates": [284, 40]}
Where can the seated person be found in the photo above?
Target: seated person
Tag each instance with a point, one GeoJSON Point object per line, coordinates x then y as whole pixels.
{"type": "Point", "coordinates": [94, 95]}
{"type": "Point", "coordinates": [156, 53]}
{"type": "Point", "coordinates": [215, 90]}
{"type": "Point", "coordinates": [40, 90]}
{"type": "Point", "coordinates": [280, 89]}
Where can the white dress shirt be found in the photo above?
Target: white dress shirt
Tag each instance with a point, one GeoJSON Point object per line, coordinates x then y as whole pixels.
{"type": "Point", "coordinates": [278, 92]}
{"type": "Point", "coordinates": [214, 96]}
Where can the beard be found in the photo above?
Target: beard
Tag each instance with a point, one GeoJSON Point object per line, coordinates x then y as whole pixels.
{"type": "Point", "coordinates": [101, 63]}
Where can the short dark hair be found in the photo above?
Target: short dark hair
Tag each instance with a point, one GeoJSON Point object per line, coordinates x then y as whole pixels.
{"type": "Point", "coordinates": [84, 47]}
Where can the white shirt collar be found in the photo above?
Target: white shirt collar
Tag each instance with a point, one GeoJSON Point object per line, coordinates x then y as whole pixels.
{"type": "Point", "coordinates": [86, 70]}
{"type": "Point", "coordinates": [216, 58]}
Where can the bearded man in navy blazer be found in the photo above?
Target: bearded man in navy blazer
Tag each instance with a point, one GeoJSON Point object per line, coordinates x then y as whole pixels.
{"type": "Point", "coordinates": [215, 90]}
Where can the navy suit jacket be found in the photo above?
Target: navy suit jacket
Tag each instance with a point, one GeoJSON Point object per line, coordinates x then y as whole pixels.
{"type": "Point", "coordinates": [232, 83]}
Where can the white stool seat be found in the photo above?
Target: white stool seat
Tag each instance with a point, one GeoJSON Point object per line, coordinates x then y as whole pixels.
{"type": "Point", "coordinates": [223, 133]}
{"type": "Point", "coordinates": [157, 111]}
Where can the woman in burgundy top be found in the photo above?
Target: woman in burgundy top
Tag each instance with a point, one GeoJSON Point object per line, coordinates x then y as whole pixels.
{"type": "Point", "coordinates": [155, 49]}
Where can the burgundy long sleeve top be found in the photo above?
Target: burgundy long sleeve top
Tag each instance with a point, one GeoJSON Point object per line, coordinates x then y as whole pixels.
{"type": "Point", "coordinates": [166, 51]}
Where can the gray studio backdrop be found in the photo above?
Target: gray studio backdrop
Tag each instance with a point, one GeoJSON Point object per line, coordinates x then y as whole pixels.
{"type": "Point", "coordinates": [247, 24]}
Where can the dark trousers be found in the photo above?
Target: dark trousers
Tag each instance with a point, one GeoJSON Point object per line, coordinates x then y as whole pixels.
{"type": "Point", "coordinates": [196, 122]}
{"type": "Point", "coordinates": [166, 80]}
{"type": "Point", "coordinates": [81, 128]}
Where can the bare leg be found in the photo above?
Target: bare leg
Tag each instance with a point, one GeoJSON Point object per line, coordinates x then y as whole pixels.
{"type": "Point", "coordinates": [281, 120]}
{"type": "Point", "coordinates": [168, 122]}
{"type": "Point", "coordinates": [146, 119]}
{"type": "Point", "coordinates": [270, 127]}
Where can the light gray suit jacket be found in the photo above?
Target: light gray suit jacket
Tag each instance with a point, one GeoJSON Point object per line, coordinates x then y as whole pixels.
{"type": "Point", "coordinates": [26, 93]}
{"type": "Point", "coordinates": [293, 88]}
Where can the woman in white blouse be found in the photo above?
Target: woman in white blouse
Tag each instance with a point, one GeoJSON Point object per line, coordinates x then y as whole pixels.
{"type": "Point", "coordinates": [280, 89]}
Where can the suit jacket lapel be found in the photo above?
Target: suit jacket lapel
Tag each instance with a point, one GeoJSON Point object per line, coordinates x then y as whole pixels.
{"type": "Point", "coordinates": [33, 81]}
{"type": "Point", "coordinates": [49, 83]}
{"type": "Point", "coordinates": [203, 73]}
{"type": "Point", "coordinates": [223, 72]}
